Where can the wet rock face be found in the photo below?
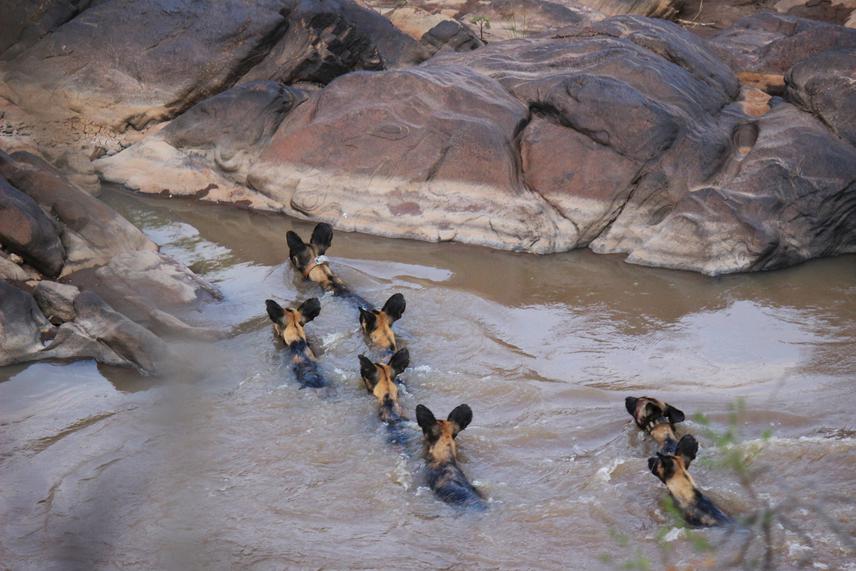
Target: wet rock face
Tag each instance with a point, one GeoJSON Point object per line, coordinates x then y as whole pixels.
{"type": "Point", "coordinates": [825, 85]}
{"type": "Point", "coordinates": [96, 248]}
{"type": "Point", "coordinates": [27, 231]}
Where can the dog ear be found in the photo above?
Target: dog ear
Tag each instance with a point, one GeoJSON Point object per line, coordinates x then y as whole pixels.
{"type": "Point", "coordinates": [630, 405]}
{"type": "Point", "coordinates": [274, 311]}
{"type": "Point", "coordinates": [295, 244]}
{"type": "Point", "coordinates": [322, 237]}
{"type": "Point", "coordinates": [400, 361]}
{"type": "Point", "coordinates": [426, 421]}
{"type": "Point", "coordinates": [368, 320]}
{"type": "Point", "coordinates": [652, 465]}
{"type": "Point", "coordinates": [368, 372]}
{"type": "Point", "coordinates": [675, 415]}
{"type": "Point", "coordinates": [461, 415]}
{"type": "Point", "coordinates": [687, 449]}
{"type": "Point", "coordinates": [394, 307]}
{"type": "Point", "coordinates": [309, 310]}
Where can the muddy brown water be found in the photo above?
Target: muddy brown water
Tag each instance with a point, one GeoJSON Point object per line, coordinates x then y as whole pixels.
{"type": "Point", "coordinates": [226, 464]}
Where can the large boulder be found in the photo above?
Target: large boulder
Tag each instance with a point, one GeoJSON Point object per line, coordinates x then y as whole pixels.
{"type": "Point", "coordinates": [762, 47]}
{"type": "Point", "coordinates": [23, 328]}
{"type": "Point", "coordinates": [90, 329]}
{"type": "Point", "coordinates": [785, 195]}
{"type": "Point", "coordinates": [207, 151]}
{"type": "Point", "coordinates": [129, 63]}
{"type": "Point", "coordinates": [627, 136]}
{"type": "Point", "coordinates": [25, 22]}
{"type": "Point", "coordinates": [96, 237]}
{"type": "Point", "coordinates": [327, 39]}
{"type": "Point", "coordinates": [825, 85]}
{"type": "Point", "coordinates": [26, 230]}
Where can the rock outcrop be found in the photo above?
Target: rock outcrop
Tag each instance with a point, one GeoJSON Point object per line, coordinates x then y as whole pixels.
{"type": "Point", "coordinates": [628, 136]}
{"type": "Point", "coordinates": [825, 85]}
{"type": "Point", "coordinates": [50, 228]}
{"type": "Point", "coordinates": [763, 47]}
{"type": "Point", "coordinates": [27, 231]}
{"type": "Point", "coordinates": [623, 134]}
{"type": "Point", "coordinates": [85, 327]}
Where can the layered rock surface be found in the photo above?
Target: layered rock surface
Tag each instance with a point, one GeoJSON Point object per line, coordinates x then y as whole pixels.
{"type": "Point", "coordinates": [627, 136]}
{"type": "Point", "coordinates": [51, 228]}
{"type": "Point", "coordinates": [624, 134]}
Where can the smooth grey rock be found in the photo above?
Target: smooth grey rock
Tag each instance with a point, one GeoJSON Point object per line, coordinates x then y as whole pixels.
{"type": "Point", "coordinates": [56, 300]}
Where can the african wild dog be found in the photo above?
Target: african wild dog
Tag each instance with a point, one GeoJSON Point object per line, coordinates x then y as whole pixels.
{"type": "Point", "coordinates": [657, 419]}
{"type": "Point", "coordinates": [288, 325]}
{"type": "Point", "coordinates": [377, 324]}
{"type": "Point", "coordinates": [380, 380]}
{"type": "Point", "coordinates": [444, 475]}
{"type": "Point", "coordinates": [672, 469]}
{"type": "Point", "coordinates": [310, 261]}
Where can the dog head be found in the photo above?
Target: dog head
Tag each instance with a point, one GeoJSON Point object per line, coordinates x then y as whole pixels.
{"type": "Point", "coordinates": [379, 379]}
{"type": "Point", "coordinates": [288, 322]}
{"type": "Point", "coordinates": [377, 324]}
{"type": "Point", "coordinates": [672, 469]}
{"type": "Point", "coordinates": [307, 258]}
{"type": "Point", "coordinates": [655, 417]}
{"type": "Point", "coordinates": [440, 435]}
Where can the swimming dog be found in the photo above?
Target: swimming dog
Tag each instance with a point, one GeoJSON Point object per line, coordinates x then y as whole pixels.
{"type": "Point", "coordinates": [672, 469]}
{"type": "Point", "coordinates": [310, 261]}
{"type": "Point", "coordinates": [377, 324]}
{"type": "Point", "coordinates": [288, 325]}
{"type": "Point", "coordinates": [657, 419]}
{"type": "Point", "coordinates": [380, 381]}
{"type": "Point", "coordinates": [445, 477]}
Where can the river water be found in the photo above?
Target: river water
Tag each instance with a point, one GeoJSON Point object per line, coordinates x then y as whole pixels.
{"type": "Point", "coordinates": [226, 464]}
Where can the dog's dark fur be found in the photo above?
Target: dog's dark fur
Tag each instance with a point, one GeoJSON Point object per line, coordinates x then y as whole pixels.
{"type": "Point", "coordinates": [657, 419]}
{"type": "Point", "coordinates": [444, 475]}
{"type": "Point", "coordinates": [672, 469]}
{"type": "Point", "coordinates": [377, 324]}
{"type": "Point", "coordinates": [288, 325]}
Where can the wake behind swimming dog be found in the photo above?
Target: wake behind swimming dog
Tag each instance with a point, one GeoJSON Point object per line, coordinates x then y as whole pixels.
{"type": "Point", "coordinates": [288, 324]}
{"type": "Point", "coordinates": [445, 477]}
{"type": "Point", "coordinates": [673, 470]}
